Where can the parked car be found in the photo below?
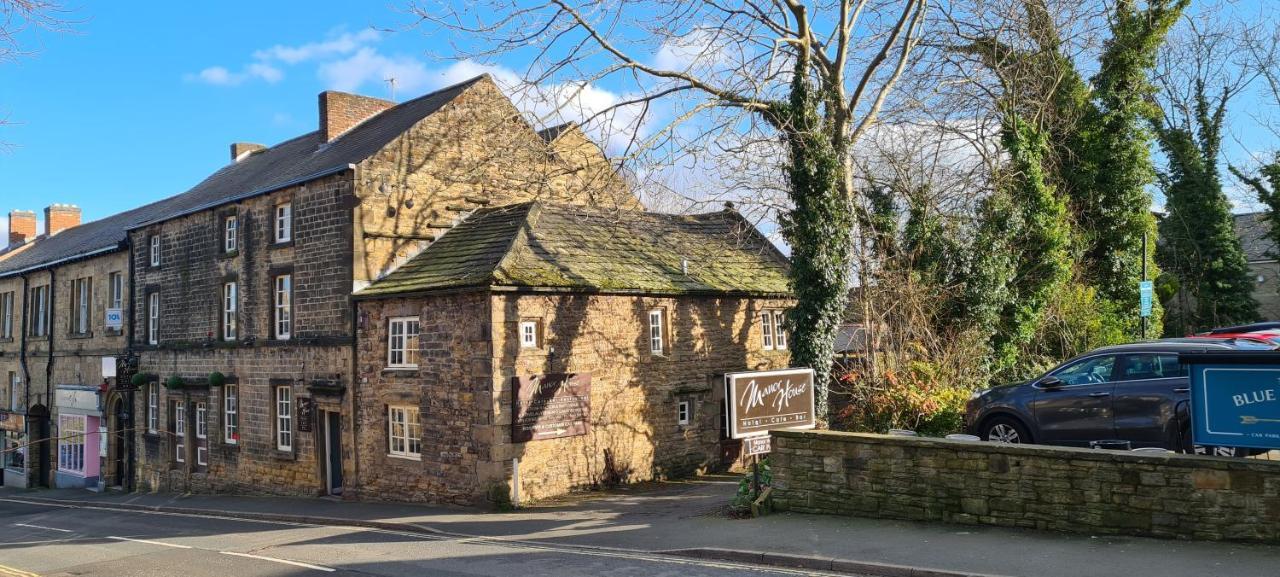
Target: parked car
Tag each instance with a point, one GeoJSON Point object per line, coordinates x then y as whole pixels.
{"type": "Point", "coordinates": [1252, 327]}
{"type": "Point", "coordinates": [1136, 392]}
{"type": "Point", "coordinates": [1266, 336]}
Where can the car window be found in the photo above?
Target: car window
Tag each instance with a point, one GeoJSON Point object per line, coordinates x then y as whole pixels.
{"type": "Point", "coordinates": [1142, 366]}
{"type": "Point", "coordinates": [1087, 371]}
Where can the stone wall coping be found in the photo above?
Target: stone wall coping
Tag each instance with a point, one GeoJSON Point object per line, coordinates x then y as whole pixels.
{"type": "Point", "coordinates": [1042, 451]}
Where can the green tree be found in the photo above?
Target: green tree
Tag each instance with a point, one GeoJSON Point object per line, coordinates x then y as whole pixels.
{"type": "Point", "coordinates": [1199, 244]}
{"type": "Point", "coordinates": [1267, 186]}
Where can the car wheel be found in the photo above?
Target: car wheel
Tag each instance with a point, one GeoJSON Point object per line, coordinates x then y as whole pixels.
{"type": "Point", "coordinates": [1005, 430]}
{"type": "Point", "coordinates": [1219, 451]}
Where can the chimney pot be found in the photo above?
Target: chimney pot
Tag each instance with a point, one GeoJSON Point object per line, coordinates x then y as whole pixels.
{"type": "Point", "coordinates": [22, 227]}
{"type": "Point", "coordinates": [340, 112]}
{"type": "Point", "coordinates": [60, 217]}
{"type": "Point", "coordinates": [242, 150]}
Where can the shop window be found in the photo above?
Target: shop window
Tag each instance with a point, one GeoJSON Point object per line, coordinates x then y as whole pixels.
{"type": "Point", "coordinates": [71, 443]}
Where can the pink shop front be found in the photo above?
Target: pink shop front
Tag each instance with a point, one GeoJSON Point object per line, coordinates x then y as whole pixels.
{"type": "Point", "coordinates": [78, 430]}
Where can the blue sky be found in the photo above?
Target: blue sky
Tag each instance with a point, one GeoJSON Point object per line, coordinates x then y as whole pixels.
{"type": "Point", "coordinates": [142, 100]}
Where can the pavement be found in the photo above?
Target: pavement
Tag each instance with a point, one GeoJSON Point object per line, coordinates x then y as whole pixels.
{"type": "Point", "coordinates": [688, 520]}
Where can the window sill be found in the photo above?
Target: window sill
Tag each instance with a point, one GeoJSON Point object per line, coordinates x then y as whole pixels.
{"type": "Point", "coordinates": [282, 455]}
{"type": "Point", "coordinates": [229, 254]}
{"type": "Point", "coordinates": [400, 372]}
{"type": "Point", "coordinates": [416, 459]}
{"type": "Point", "coordinates": [282, 244]}
{"type": "Point", "coordinates": [79, 336]}
{"type": "Point", "coordinates": [6, 340]}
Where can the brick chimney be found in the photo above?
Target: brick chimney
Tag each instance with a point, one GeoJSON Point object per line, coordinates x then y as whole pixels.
{"type": "Point", "coordinates": [242, 150]}
{"type": "Point", "coordinates": [340, 112]}
{"type": "Point", "coordinates": [22, 227]}
{"type": "Point", "coordinates": [60, 217]}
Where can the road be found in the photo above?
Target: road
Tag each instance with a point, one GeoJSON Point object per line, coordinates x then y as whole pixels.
{"type": "Point", "coordinates": [38, 539]}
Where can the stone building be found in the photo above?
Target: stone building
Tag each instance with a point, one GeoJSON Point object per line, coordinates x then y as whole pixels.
{"type": "Point", "coordinates": [1261, 255]}
{"type": "Point", "coordinates": [63, 298]}
{"type": "Point", "coordinates": [243, 284]}
{"type": "Point", "coordinates": [620, 328]}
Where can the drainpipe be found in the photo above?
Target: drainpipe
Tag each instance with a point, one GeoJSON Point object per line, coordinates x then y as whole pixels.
{"type": "Point", "coordinates": [351, 401]}
{"type": "Point", "coordinates": [48, 368]}
{"type": "Point", "coordinates": [22, 345]}
{"type": "Point", "coordinates": [129, 424]}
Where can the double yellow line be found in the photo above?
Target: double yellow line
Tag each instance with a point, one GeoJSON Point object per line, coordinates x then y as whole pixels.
{"type": "Point", "coordinates": [11, 572]}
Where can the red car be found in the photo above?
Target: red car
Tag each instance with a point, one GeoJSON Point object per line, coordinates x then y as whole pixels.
{"type": "Point", "coordinates": [1266, 336]}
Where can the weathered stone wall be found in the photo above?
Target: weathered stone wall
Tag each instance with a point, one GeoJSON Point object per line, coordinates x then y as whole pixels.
{"type": "Point", "coordinates": [451, 389]}
{"type": "Point", "coordinates": [634, 434]}
{"type": "Point", "coordinates": [475, 151]}
{"type": "Point", "coordinates": [1054, 488]}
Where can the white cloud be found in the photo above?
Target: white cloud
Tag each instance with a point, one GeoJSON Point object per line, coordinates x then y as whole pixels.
{"type": "Point", "coordinates": [345, 43]}
{"type": "Point", "coordinates": [220, 76]}
{"type": "Point", "coordinates": [368, 66]}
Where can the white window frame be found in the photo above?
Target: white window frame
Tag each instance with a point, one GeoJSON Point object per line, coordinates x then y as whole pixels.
{"type": "Point", "coordinates": [40, 324]}
{"type": "Point", "coordinates": [282, 315]}
{"type": "Point", "coordinates": [71, 443]}
{"type": "Point", "coordinates": [284, 222]}
{"type": "Point", "coordinates": [657, 331]}
{"type": "Point", "coordinates": [529, 334]}
{"type": "Point", "coordinates": [684, 412]}
{"type": "Point", "coordinates": [779, 333]}
{"type": "Point", "coordinates": [153, 318]}
{"type": "Point", "coordinates": [766, 323]}
{"type": "Point", "coordinates": [231, 414]}
{"type": "Point", "coordinates": [229, 298]}
{"type": "Point", "coordinates": [6, 315]}
{"type": "Point", "coordinates": [154, 248]}
{"type": "Point", "coordinates": [404, 432]}
{"type": "Point", "coordinates": [153, 408]}
{"type": "Point", "coordinates": [116, 282]}
{"type": "Point", "coordinates": [230, 234]}
{"type": "Point", "coordinates": [202, 433]}
{"type": "Point", "coordinates": [81, 292]}
{"type": "Point", "coordinates": [284, 417]}
{"type": "Point", "coordinates": [402, 343]}
{"type": "Point", "coordinates": [180, 431]}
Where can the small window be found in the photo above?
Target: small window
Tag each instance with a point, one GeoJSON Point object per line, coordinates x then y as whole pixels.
{"type": "Point", "coordinates": [779, 330]}
{"type": "Point", "coordinates": [229, 311]}
{"type": "Point", "coordinates": [283, 307]}
{"type": "Point", "coordinates": [684, 410]}
{"type": "Point", "coordinates": [179, 431]}
{"type": "Point", "coordinates": [39, 311]}
{"type": "Point", "coordinates": [116, 281]}
{"type": "Point", "coordinates": [154, 243]}
{"type": "Point", "coordinates": [81, 293]}
{"type": "Point", "coordinates": [230, 234]}
{"type": "Point", "coordinates": [6, 315]}
{"type": "Point", "coordinates": [284, 222]}
{"type": "Point", "coordinates": [404, 432]}
{"type": "Point", "coordinates": [284, 418]}
{"type": "Point", "coordinates": [71, 443]}
{"type": "Point", "coordinates": [402, 343]}
{"type": "Point", "coordinates": [231, 414]}
{"type": "Point", "coordinates": [657, 331]}
{"type": "Point", "coordinates": [153, 318]}
{"type": "Point", "coordinates": [529, 334]}
{"type": "Point", "coordinates": [153, 407]}
{"type": "Point", "coordinates": [766, 324]}
{"type": "Point", "coordinates": [774, 335]}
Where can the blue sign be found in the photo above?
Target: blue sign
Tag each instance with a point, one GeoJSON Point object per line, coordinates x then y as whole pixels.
{"type": "Point", "coordinates": [1235, 405]}
{"type": "Point", "coordinates": [1145, 289]}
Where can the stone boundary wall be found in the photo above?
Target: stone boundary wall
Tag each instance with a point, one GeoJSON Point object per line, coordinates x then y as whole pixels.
{"type": "Point", "coordinates": [1040, 487]}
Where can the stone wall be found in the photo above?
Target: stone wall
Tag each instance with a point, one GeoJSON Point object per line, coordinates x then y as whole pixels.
{"type": "Point", "coordinates": [1054, 488]}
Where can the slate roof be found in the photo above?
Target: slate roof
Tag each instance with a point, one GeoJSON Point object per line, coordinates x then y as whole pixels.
{"type": "Point", "coordinates": [538, 245]}
{"type": "Point", "coordinates": [550, 133]}
{"type": "Point", "coordinates": [291, 162]}
{"type": "Point", "coordinates": [1252, 229]}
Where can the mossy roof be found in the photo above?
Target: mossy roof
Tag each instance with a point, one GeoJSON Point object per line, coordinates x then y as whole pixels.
{"type": "Point", "coordinates": [539, 245]}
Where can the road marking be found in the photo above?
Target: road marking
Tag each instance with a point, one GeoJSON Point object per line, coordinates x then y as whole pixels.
{"type": "Point", "coordinates": [149, 542]}
{"type": "Point", "coordinates": [285, 561]}
{"type": "Point", "coordinates": [5, 570]}
{"type": "Point", "coordinates": [43, 527]}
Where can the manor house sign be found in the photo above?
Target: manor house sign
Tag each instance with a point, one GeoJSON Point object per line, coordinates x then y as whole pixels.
{"type": "Point", "coordinates": [765, 400]}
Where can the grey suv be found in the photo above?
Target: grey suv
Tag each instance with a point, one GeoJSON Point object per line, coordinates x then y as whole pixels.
{"type": "Point", "coordinates": [1136, 392]}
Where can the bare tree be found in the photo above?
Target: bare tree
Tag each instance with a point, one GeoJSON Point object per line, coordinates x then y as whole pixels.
{"type": "Point", "coordinates": [799, 82]}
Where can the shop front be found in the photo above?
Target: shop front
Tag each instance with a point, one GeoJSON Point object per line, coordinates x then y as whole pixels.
{"type": "Point", "coordinates": [79, 437]}
{"type": "Point", "coordinates": [13, 443]}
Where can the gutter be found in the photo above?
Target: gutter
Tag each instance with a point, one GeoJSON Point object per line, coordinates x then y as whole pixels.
{"type": "Point", "coordinates": [573, 290]}
{"type": "Point", "coordinates": [64, 260]}
{"type": "Point", "coordinates": [239, 197]}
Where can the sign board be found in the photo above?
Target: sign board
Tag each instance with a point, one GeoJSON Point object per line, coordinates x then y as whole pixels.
{"type": "Point", "coordinates": [1145, 289]}
{"type": "Point", "coordinates": [765, 400]}
{"type": "Point", "coordinates": [74, 399]}
{"type": "Point", "coordinates": [550, 406]}
{"type": "Point", "coordinates": [306, 414]}
{"type": "Point", "coordinates": [1235, 398]}
{"type": "Point", "coordinates": [115, 319]}
{"type": "Point", "coordinates": [108, 367]}
{"type": "Point", "coordinates": [758, 445]}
